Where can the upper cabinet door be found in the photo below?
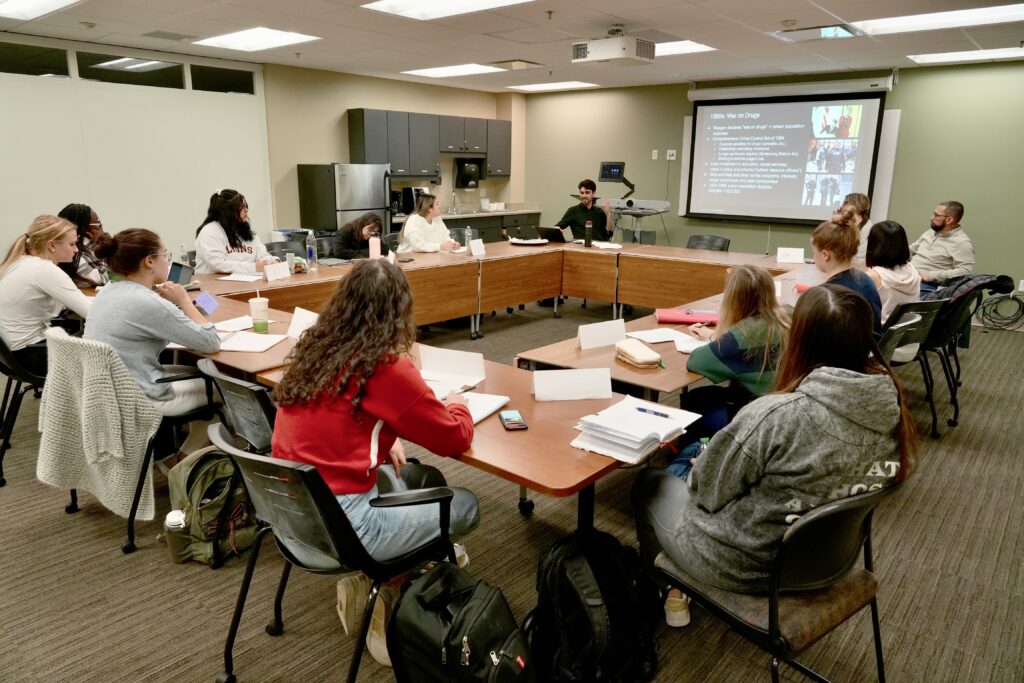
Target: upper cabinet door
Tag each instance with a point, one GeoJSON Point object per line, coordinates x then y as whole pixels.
{"type": "Point", "coordinates": [452, 133]}
{"type": "Point", "coordinates": [368, 136]}
{"type": "Point", "coordinates": [476, 135]}
{"type": "Point", "coordinates": [499, 148]}
{"type": "Point", "coordinates": [423, 142]}
{"type": "Point", "coordinates": [398, 142]}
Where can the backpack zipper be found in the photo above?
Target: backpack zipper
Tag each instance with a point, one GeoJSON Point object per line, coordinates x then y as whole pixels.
{"type": "Point", "coordinates": [465, 650]}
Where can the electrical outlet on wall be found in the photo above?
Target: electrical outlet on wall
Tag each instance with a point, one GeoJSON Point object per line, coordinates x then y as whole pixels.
{"type": "Point", "coordinates": [654, 155]}
{"type": "Point", "coordinates": [670, 154]}
{"type": "Point", "coordinates": [1021, 286]}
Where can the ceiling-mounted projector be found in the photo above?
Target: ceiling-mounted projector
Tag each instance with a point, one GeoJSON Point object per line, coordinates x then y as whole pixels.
{"type": "Point", "coordinates": [621, 50]}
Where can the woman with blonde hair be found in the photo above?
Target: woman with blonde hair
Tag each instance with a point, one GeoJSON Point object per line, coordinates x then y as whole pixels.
{"type": "Point", "coordinates": [33, 288]}
{"type": "Point", "coordinates": [424, 230]}
{"type": "Point", "coordinates": [834, 244]}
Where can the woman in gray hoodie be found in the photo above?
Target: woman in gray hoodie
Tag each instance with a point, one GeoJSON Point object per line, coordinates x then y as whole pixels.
{"type": "Point", "coordinates": [836, 426]}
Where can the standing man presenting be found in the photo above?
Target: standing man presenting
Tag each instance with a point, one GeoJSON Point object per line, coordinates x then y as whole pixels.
{"type": "Point", "coordinates": [944, 252]}
{"type": "Point", "coordinates": [577, 216]}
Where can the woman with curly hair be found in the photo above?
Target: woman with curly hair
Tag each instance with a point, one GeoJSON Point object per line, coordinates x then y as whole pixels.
{"type": "Point", "coordinates": [351, 391]}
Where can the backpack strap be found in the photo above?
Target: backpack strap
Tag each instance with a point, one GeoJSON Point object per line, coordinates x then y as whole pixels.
{"type": "Point", "coordinates": [584, 585]}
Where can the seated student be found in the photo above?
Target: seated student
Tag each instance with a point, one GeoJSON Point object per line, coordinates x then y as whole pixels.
{"type": "Point", "coordinates": [834, 244]}
{"type": "Point", "coordinates": [353, 239]}
{"type": "Point", "coordinates": [837, 426]}
{"type": "Point", "coordinates": [349, 394]}
{"type": "Point", "coordinates": [33, 289]}
{"type": "Point", "coordinates": [140, 313]}
{"type": "Point", "coordinates": [424, 230]}
{"type": "Point", "coordinates": [743, 350]}
{"type": "Point", "coordinates": [225, 242]}
{"type": "Point", "coordinates": [889, 266]}
{"type": "Point", "coordinates": [85, 269]}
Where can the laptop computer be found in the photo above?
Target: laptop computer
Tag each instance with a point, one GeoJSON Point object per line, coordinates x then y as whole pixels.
{"type": "Point", "coordinates": [556, 234]}
{"type": "Point", "coordinates": [182, 274]}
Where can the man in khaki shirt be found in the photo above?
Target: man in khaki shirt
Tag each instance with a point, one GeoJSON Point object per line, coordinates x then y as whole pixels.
{"type": "Point", "coordinates": [944, 252]}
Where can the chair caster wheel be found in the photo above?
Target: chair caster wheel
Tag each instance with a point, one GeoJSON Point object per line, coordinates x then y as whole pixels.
{"type": "Point", "coordinates": [935, 435]}
{"type": "Point", "coordinates": [274, 629]}
{"type": "Point", "coordinates": [3, 482]}
{"type": "Point", "coordinates": [522, 307]}
{"type": "Point", "coordinates": [558, 315]}
{"type": "Point", "coordinates": [217, 564]}
{"type": "Point", "coordinates": [225, 677]}
{"type": "Point", "coordinates": [71, 509]}
{"type": "Point", "coordinates": [128, 548]}
{"type": "Point", "coordinates": [472, 335]}
{"type": "Point", "coordinates": [509, 310]}
{"type": "Point", "coordinates": [951, 422]}
{"type": "Point", "coordinates": [526, 508]}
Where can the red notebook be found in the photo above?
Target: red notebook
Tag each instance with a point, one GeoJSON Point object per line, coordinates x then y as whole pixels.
{"type": "Point", "coordinates": [684, 316]}
{"type": "Point", "coordinates": [800, 289]}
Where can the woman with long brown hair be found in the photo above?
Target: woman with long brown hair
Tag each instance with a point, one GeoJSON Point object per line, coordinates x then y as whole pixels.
{"type": "Point", "coordinates": [350, 393]}
{"type": "Point", "coordinates": [353, 239]}
{"type": "Point", "coordinates": [836, 426]}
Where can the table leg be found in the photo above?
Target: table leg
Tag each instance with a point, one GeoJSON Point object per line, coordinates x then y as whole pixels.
{"type": "Point", "coordinates": [585, 509]}
{"type": "Point", "coordinates": [525, 504]}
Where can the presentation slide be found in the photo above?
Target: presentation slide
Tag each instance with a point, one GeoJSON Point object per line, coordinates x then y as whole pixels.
{"type": "Point", "coordinates": [782, 160]}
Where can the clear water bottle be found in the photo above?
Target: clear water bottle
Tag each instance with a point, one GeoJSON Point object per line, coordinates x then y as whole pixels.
{"type": "Point", "coordinates": [183, 255]}
{"type": "Point", "coordinates": [468, 237]}
{"type": "Point", "coordinates": [311, 256]}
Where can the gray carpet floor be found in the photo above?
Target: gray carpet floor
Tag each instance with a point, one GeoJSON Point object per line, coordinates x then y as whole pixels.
{"type": "Point", "coordinates": [949, 552]}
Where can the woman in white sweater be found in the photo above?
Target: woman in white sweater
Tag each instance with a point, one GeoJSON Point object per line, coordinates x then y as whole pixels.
{"type": "Point", "coordinates": [225, 242]}
{"type": "Point", "coordinates": [33, 289]}
{"type": "Point", "coordinates": [424, 230]}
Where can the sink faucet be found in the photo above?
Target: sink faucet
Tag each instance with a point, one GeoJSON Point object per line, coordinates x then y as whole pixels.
{"type": "Point", "coordinates": [453, 207]}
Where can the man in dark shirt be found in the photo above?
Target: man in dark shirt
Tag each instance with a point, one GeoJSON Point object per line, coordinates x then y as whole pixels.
{"type": "Point", "coordinates": [577, 216]}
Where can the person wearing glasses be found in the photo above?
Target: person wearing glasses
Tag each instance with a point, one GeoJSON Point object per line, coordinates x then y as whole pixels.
{"type": "Point", "coordinates": [353, 239]}
{"type": "Point", "coordinates": [33, 289]}
{"type": "Point", "coordinates": [139, 314]}
{"type": "Point", "coordinates": [945, 251]}
{"type": "Point", "coordinates": [225, 242]}
{"type": "Point", "coordinates": [85, 269]}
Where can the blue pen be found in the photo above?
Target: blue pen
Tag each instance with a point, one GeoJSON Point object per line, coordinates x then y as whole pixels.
{"type": "Point", "coordinates": [651, 412]}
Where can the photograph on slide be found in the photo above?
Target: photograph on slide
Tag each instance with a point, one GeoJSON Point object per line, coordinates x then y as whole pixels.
{"type": "Point", "coordinates": [834, 121]}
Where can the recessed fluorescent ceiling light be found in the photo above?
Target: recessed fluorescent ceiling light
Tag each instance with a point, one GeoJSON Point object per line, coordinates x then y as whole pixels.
{"type": "Point", "coordinates": [457, 70]}
{"type": "Point", "coordinates": [564, 85]}
{"type": "Point", "coordinates": [31, 9]}
{"type": "Point", "coordinates": [936, 20]}
{"type": "Point", "coordinates": [680, 47]}
{"type": "Point", "coordinates": [254, 39]}
{"type": "Point", "coordinates": [969, 56]}
{"type": "Point", "coordinates": [425, 10]}
{"type": "Point", "coordinates": [132, 64]}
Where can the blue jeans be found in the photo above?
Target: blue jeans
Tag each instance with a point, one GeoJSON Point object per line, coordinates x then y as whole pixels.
{"type": "Point", "coordinates": [659, 509]}
{"type": "Point", "coordinates": [680, 466]}
{"type": "Point", "coordinates": [389, 532]}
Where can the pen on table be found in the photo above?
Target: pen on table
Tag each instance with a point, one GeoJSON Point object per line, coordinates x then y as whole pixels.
{"type": "Point", "coordinates": [461, 391]}
{"type": "Point", "coordinates": [651, 412]}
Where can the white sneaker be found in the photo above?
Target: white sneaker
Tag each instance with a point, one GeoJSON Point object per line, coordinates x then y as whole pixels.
{"type": "Point", "coordinates": [461, 556]}
{"type": "Point", "coordinates": [377, 637]}
{"type": "Point", "coordinates": [352, 591]}
{"type": "Point", "coordinates": [677, 611]}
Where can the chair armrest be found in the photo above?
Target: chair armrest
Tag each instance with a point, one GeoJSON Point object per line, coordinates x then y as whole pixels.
{"type": "Point", "coordinates": [179, 378]}
{"type": "Point", "coordinates": [438, 494]}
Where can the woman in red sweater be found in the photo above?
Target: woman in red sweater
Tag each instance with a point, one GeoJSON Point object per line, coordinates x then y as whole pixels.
{"type": "Point", "coordinates": [348, 395]}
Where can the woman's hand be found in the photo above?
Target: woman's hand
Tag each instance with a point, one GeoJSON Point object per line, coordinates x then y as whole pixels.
{"type": "Point", "coordinates": [397, 457]}
{"type": "Point", "coordinates": [260, 265]}
{"type": "Point", "coordinates": [456, 399]}
{"type": "Point", "coordinates": [701, 331]}
{"type": "Point", "coordinates": [174, 293]}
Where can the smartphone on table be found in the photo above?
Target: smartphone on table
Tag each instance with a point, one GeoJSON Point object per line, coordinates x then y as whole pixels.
{"type": "Point", "coordinates": [512, 419]}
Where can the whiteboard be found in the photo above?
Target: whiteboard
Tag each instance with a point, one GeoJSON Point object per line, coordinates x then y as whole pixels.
{"type": "Point", "coordinates": [140, 156]}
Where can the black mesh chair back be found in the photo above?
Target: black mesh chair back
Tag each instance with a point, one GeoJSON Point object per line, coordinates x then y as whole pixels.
{"type": "Point", "coordinates": [248, 407]}
{"type": "Point", "coordinates": [391, 239]}
{"type": "Point", "coordinates": [20, 380]}
{"type": "Point", "coordinates": [279, 249]}
{"type": "Point", "coordinates": [712, 242]}
{"type": "Point", "coordinates": [314, 534]}
{"type": "Point", "coordinates": [324, 247]}
{"type": "Point", "coordinates": [952, 317]}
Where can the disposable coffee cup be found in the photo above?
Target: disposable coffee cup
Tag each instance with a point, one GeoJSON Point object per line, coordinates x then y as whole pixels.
{"type": "Point", "coordinates": [178, 542]}
{"type": "Point", "coordinates": [374, 247]}
{"type": "Point", "coordinates": [258, 306]}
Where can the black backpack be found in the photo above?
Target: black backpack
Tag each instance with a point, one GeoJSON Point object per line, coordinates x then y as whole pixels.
{"type": "Point", "coordinates": [596, 612]}
{"type": "Point", "coordinates": [448, 626]}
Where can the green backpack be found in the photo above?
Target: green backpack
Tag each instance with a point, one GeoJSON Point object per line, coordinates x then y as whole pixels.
{"type": "Point", "coordinates": [204, 485]}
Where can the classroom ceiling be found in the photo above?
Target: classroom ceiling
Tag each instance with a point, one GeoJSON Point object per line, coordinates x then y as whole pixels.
{"type": "Point", "coordinates": [360, 41]}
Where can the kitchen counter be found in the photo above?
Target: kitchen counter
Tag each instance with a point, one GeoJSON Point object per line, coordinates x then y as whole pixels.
{"type": "Point", "coordinates": [400, 218]}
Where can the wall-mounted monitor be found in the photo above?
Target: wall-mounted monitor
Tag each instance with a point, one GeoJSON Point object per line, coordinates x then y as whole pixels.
{"type": "Point", "coordinates": [612, 171]}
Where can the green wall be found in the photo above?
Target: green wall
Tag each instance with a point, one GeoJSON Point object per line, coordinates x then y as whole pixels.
{"type": "Point", "coordinates": [960, 138]}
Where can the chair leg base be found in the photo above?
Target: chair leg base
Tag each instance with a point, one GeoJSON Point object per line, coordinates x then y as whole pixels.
{"type": "Point", "coordinates": [225, 677]}
{"type": "Point", "coordinates": [3, 482]}
{"type": "Point", "coordinates": [274, 629]}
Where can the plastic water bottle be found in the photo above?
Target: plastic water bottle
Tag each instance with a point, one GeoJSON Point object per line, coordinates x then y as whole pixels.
{"type": "Point", "coordinates": [311, 256]}
{"type": "Point", "coordinates": [183, 255]}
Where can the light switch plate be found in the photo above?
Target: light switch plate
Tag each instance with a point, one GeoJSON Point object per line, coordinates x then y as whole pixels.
{"type": "Point", "coordinates": [654, 155]}
{"type": "Point", "coordinates": [1021, 286]}
{"type": "Point", "coordinates": [670, 154]}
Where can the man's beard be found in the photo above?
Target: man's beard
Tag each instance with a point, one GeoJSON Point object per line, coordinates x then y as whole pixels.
{"type": "Point", "coordinates": [936, 228]}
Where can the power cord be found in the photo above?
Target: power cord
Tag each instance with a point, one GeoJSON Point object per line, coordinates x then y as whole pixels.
{"type": "Point", "coordinates": [1001, 312]}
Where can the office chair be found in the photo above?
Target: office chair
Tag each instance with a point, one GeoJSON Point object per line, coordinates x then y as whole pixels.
{"type": "Point", "coordinates": [907, 325]}
{"type": "Point", "coordinates": [279, 249]}
{"type": "Point", "coordinates": [248, 406]}
{"type": "Point", "coordinates": [712, 242]}
{"type": "Point", "coordinates": [814, 585]}
{"type": "Point", "coordinates": [324, 247]}
{"type": "Point", "coordinates": [391, 239]}
{"type": "Point", "coordinates": [314, 535]}
{"type": "Point", "coordinates": [20, 381]}
{"type": "Point", "coordinates": [94, 373]}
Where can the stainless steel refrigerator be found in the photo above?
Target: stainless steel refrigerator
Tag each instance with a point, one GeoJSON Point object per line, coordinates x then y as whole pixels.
{"type": "Point", "coordinates": [331, 195]}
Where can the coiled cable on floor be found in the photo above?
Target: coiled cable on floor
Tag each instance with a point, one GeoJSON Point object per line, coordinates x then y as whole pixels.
{"type": "Point", "coordinates": [1001, 312]}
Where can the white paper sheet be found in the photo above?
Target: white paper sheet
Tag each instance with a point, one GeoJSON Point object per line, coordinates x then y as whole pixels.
{"type": "Point", "coordinates": [607, 245]}
{"type": "Point", "coordinates": [457, 368]}
{"type": "Point", "coordinates": [656, 336]}
{"type": "Point", "coordinates": [242, 277]}
{"type": "Point", "coordinates": [789, 255]}
{"type": "Point", "coordinates": [572, 385]}
{"type": "Point", "coordinates": [484, 405]}
{"type": "Point", "coordinates": [234, 324]}
{"type": "Point", "coordinates": [302, 320]}
{"type": "Point", "coordinates": [601, 334]}
{"type": "Point", "coordinates": [687, 344]}
{"type": "Point", "coordinates": [177, 347]}
{"type": "Point", "coordinates": [527, 242]}
{"type": "Point", "coordinates": [476, 247]}
{"type": "Point", "coordinates": [250, 342]}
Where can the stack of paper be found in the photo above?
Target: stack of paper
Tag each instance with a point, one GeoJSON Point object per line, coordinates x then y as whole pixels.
{"type": "Point", "coordinates": [483, 405]}
{"type": "Point", "coordinates": [685, 343]}
{"type": "Point", "coordinates": [631, 429]}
